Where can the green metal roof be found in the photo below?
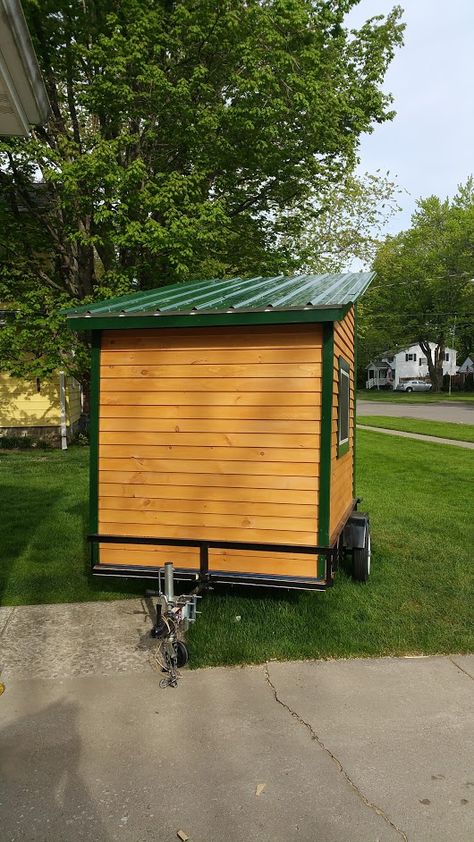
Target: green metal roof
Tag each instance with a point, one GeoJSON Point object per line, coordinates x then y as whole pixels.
{"type": "Point", "coordinates": [183, 301]}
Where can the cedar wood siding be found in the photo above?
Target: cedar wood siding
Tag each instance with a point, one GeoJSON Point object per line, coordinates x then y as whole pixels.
{"type": "Point", "coordinates": [342, 467]}
{"type": "Point", "coordinates": [211, 433]}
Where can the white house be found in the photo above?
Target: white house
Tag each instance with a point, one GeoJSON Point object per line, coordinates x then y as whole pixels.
{"type": "Point", "coordinates": [388, 370]}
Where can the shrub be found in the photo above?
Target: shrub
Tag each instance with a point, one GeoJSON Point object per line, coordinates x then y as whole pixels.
{"type": "Point", "coordinates": [16, 442]}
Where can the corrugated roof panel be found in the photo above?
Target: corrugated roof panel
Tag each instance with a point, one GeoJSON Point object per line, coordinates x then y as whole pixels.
{"type": "Point", "coordinates": [250, 295]}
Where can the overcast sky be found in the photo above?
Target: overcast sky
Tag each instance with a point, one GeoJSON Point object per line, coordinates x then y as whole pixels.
{"type": "Point", "coordinates": [429, 144]}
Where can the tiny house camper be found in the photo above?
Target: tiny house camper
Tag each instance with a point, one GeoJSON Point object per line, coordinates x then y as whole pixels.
{"type": "Point", "coordinates": [222, 430]}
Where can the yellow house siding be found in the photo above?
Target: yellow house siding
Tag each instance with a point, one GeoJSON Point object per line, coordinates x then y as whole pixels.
{"type": "Point", "coordinates": [73, 401]}
{"type": "Point", "coordinates": [211, 434]}
{"type": "Point", "coordinates": [22, 405]}
{"type": "Point", "coordinates": [342, 467]}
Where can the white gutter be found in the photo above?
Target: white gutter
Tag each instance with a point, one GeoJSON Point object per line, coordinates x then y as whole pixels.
{"type": "Point", "coordinates": [23, 98]}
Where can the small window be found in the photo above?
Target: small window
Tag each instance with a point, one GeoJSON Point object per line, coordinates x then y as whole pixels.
{"type": "Point", "coordinates": [446, 357]}
{"type": "Point", "coordinates": [371, 372]}
{"type": "Point", "coordinates": [423, 361]}
{"type": "Point", "coordinates": [344, 408]}
{"type": "Point", "coordinates": [410, 358]}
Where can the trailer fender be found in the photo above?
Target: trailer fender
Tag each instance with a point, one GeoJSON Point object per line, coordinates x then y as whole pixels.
{"type": "Point", "coordinates": [355, 530]}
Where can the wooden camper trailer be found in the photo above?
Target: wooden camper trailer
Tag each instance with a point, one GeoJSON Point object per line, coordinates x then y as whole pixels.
{"type": "Point", "coordinates": [222, 428]}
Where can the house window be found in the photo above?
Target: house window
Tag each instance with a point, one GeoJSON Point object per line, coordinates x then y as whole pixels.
{"type": "Point", "coordinates": [446, 357]}
{"type": "Point", "coordinates": [423, 361]}
{"type": "Point", "coordinates": [344, 408]}
{"type": "Point", "coordinates": [371, 372]}
{"type": "Point", "coordinates": [410, 358]}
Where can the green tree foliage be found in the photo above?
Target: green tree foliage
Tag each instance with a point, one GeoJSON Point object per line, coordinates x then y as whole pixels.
{"type": "Point", "coordinates": [180, 132]}
{"type": "Point", "coordinates": [342, 226]}
{"type": "Point", "coordinates": [424, 290]}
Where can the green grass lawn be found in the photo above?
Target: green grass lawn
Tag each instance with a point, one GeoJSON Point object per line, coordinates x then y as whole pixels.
{"type": "Point", "coordinates": [442, 429]}
{"type": "Point", "coordinates": [413, 397]}
{"type": "Point", "coordinates": [43, 501]}
{"type": "Point", "coordinates": [419, 598]}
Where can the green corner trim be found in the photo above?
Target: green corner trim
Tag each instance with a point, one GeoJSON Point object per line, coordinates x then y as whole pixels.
{"type": "Point", "coordinates": [94, 441]}
{"type": "Point", "coordinates": [325, 452]}
{"type": "Point", "coordinates": [94, 323]}
{"type": "Point", "coordinates": [354, 390]}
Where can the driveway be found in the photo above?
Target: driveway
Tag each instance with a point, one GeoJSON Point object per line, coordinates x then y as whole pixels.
{"type": "Point", "coordinates": [460, 413]}
{"type": "Point", "coordinates": [341, 751]}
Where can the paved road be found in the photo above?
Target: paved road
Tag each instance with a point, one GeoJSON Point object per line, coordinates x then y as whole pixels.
{"type": "Point", "coordinates": [91, 749]}
{"type": "Point", "coordinates": [460, 413]}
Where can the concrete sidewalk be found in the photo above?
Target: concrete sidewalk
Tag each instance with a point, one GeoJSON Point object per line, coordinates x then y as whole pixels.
{"type": "Point", "coordinates": [348, 751]}
{"type": "Point", "coordinates": [468, 445]}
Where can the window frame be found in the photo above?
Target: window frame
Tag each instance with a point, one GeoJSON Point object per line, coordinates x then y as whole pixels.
{"type": "Point", "coordinates": [344, 372]}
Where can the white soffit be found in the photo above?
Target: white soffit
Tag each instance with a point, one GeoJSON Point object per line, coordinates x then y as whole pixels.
{"type": "Point", "coordinates": [23, 98]}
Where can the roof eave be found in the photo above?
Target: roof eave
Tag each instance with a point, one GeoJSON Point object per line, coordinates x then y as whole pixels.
{"type": "Point", "coordinates": [262, 317]}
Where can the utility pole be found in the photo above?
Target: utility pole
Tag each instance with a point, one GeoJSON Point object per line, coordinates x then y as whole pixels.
{"type": "Point", "coordinates": [450, 361]}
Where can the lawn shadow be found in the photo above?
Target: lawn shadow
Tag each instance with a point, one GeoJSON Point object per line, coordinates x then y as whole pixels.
{"type": "Point", "coordinates": [23, 511]}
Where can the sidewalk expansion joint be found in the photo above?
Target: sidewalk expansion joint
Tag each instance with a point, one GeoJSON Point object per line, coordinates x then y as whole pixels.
{"type": "Point", "coordinates": [336, 761]}
{"type": "Point", "coordinates": [461, 668]}
{"type": "Point", "coordinates": [7, 621]}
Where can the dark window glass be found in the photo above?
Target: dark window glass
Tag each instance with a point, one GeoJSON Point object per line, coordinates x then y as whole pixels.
{"type": "Point", "coordinates": [343, 420]}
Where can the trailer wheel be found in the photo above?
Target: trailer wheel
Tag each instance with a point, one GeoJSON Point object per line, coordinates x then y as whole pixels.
{"type": "Point", "coordinates": [182, 654]}
{"type": "Point", "coordinates": [361, 559]}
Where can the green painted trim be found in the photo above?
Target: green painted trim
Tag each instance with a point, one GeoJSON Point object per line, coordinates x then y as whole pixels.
{"type": "Point", "coordinates": [94, 441]}
{"type": "Point", "coordinates": [324, 509]}
{"type": "Point", "coordinates": [93, 323]}
{"type": "Point", "coordinates": [343, 448]}
{"type": "Point", "coordinates": [354, 386]}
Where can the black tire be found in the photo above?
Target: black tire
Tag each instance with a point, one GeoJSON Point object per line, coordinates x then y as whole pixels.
{"type": "Point", "coordinates": [409, 389]}
{"type": "Point", "coordinates": [361, 559]}
{"type": "Point", "coordinates": [182, 654]}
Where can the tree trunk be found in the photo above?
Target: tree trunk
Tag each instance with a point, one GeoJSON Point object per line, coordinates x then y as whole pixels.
{"type": "Point", "coordinates": [435, 366]}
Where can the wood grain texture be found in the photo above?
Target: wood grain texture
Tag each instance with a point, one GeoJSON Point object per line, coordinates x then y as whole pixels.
{"type": "Point", "coordinates": [164, 430]}
{"type": "Point", "coordinates": [167, 478]}
{"type": "Point", "coordinates": [233, 414]}
{"type": "Point", "coordinates": [225, 494]}
{"type": "Point", "coordinates": [259, 400]}
{"type": "Point", "coordinates": [225, 561]}
{"type": "Point", "coordinates": [211, 434]}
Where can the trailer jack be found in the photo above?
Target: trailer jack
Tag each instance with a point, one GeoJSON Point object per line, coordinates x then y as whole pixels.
{"type": "Point", "coordinates": [174, 615]}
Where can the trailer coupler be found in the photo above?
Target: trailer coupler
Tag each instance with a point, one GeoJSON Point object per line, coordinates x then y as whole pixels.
{"type": "Point", "coordinates": [174, 615]}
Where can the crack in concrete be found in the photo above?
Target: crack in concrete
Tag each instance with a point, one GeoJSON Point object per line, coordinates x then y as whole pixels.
{"type": "Point", "coordinates": [336, 761]}
{"type": "Point", "coordinates": [7, 621]}
{"type": "Point", "coordinates": [461, 668]}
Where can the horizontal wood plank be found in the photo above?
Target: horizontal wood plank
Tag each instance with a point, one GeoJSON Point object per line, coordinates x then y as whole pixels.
{"type": "Point", "coordinates": [259, 400]}
{"type": "Point", "coordinates": [267, 430]}
{"type": "Point", "coordinates": [225, 495]}
{"type": "Point", "coordinates": [203, 466]}
{"type": "Point", "coordinates": [220, 507]}
{"type": "Point", "coordinates": [278, 564]}
{"type": "Point", "coordinates": [179, 412]}
{"type": "Point", "coordinates": [206, 439]}
{"type": "Point", "coordinates": [185, 371]}
{"type": "Point", "coordinates": [211, 385]}
{"type": "Point", "coordinates": [201, 480]}
{"type": "Point", "coordinates": [186, 521]}
{"type": "Point", "coordinates": [220, 533]}
{"type": "Point", "coordinates": [211, 455]}
{"type": "Point", "coordinates": [226, 337]}
{"type": "Point", "coordinates": [198, 357]}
